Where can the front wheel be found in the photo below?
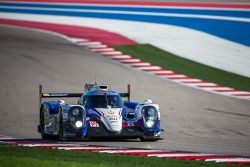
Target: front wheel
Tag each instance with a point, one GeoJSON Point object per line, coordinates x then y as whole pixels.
{"type": "Point", "coordinates": [42, 124]}
{"type": "Point", "coordinates": [149, 139]}
{"type": "Point", "coordinates": [61, 128]}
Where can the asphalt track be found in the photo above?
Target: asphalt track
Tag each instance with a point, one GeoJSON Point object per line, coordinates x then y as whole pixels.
{"type": "Point", "coordinates": [193, 120]}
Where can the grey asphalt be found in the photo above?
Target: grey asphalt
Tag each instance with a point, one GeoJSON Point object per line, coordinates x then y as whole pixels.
{"type": "Point", "coordinates": [193, 120]}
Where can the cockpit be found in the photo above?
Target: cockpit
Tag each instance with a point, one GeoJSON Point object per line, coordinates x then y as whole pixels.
{"type": "Point", "coordinates": [102, 101]}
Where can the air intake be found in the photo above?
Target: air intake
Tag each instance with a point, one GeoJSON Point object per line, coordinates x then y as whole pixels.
{"type": "Point", "coordinates": [103, 87]}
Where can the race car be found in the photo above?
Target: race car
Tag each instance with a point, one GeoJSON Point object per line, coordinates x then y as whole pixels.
{"type": "Point", "coordinates": [99, 113]}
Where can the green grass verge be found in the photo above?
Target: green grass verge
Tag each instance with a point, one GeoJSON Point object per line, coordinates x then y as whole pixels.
{"type": "Point", "coordinates": [12, 156]}
{"type": "Point", "coordinates": [180, 65]}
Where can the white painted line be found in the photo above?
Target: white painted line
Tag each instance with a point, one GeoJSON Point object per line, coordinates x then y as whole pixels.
{"type": "Point", "coordinates": [89, 43]}
{"type": "Point", "coordinates": [162, 72]}
{"type": "Point", "coordinates": [140, 64]}
{"type": "Point", "coordinates": [229, 160]}
{"type": "Point", "coordinates": [131, 151]}
{"type": "Point", "coordinates": [179, 155]}
{"type": "Point", "coordinates": [149, 68]}
{"type": "Point", "coordinates": [176, 76]}
{"type": "Point", "coordinates": [76, 148]}
{"type": "Point", "coordinates": [216, 88]}
{"type": "Point", "coordinates": [87, 148]}
{"type": "Point", "coordinates": [97, 46]}
{"type": "Point", "coordinates": [76, 40]}
{"type": "Point", "coordinates": [129, 60]}
{"type": "Point", "coordinates": [241, 92]}
{"type": "Point", "coordinates": [44, 145]}
{"type": "Point", "coordinates": [120, 56]}
{"type": "Point", "coordinates": [111, 53]}
{"type": "Point", "coordinates": [102, 50]}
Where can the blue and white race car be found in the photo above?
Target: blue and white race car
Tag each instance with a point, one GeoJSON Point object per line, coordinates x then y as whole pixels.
{"type": "Point", "coordinates": [99, 113]}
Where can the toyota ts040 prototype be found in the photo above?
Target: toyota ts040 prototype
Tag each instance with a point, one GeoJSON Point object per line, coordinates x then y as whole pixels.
{"type": "Point", "coordinates": [99, 113]}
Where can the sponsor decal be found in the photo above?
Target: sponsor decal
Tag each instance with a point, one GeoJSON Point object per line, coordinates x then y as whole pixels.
{"type": "Point", "coordinates": [93, 124]}
{"type": "Point", "coordinates": [55, 94]}
{"type": "Point", "coordinates": [113, 118]}
{"type": "Point", "coordinates": [111, 112]}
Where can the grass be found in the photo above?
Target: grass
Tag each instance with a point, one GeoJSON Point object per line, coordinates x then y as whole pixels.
{"type": "Point", "coordinates": [12, 156]}
{"type": "Point", "coordinates": [180, 65]}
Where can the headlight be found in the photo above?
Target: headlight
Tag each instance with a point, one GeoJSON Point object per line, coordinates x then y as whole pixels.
{"type": "Point", "coordinates": [150, 116]}
{"type": "Point", "coordinates": [149, 124]}
{"type": "Point", "coordinates": [76, 117]}
{"type": "Point", "coordinates": [75, 112]}
{"type": "Point", "coordinates": [78, 124]}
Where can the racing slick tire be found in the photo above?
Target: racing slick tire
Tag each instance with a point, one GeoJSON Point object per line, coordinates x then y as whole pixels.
{"type": "Point", "coordinates": [42, 125]}
{"type": "Point", "coordinates": [61, 128]}
{"type": "Point", "coordinates": [149, 139]}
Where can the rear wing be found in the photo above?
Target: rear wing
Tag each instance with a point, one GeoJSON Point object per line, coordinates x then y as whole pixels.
{"type": "Point", "coordinates": [75, 95]}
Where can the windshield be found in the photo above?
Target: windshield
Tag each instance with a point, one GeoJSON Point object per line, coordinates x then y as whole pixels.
{"type": "Point", "coordinates": [102, 101]}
